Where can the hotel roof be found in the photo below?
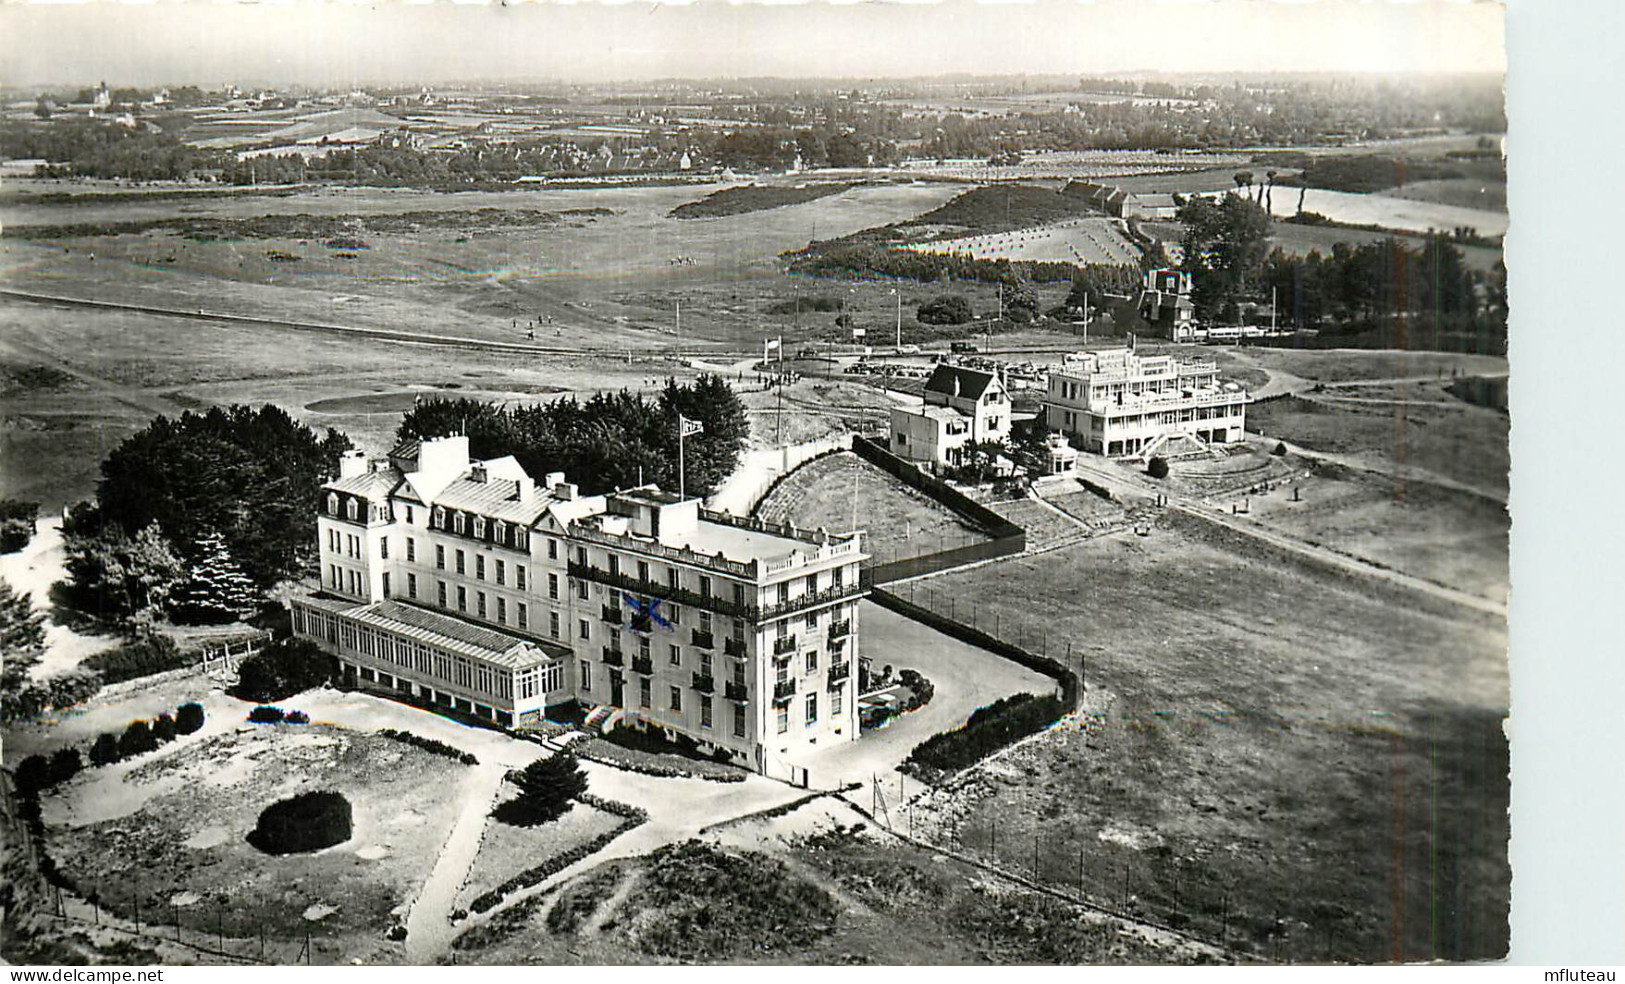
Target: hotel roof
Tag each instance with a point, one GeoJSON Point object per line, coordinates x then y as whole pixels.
{"type": "Point", "coordinates": [442, 631]}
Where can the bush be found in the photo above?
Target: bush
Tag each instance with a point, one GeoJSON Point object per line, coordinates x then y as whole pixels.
{"type": "Point", "coordinates": [65, 764]}
{"type": "Point", "coordinates": [1280, 449]}
{"type": "Point", "coordinates": [265, 715]}
{"type": "Point", "coordinates": [282, 669]}
{"type": "Point", "coordinates": [33, 775]}
{"type": "Point", "coordinates": [62, 690]}
{"type": "Point", "coordinates": [430, 745]}
{"type": "Point", "coordinates": [138, 738]}
{"type": "Point", "coordinates": [137, 658]}
{"type": "Point", "coordinates": [1157, 467]}
{"type": "Point", "coordinates": [921, 690]}
{"type": "Point", "coordinates": [296, 717]}
{"type": "Point", "coordinates": [949, 309]}
{"type": "Point", "coordinates": [16, 524]}
{"type": "Point", "coordinates": [188, 718]}
{"type": "Point", "coordinates": [163, 729]}
{"type": "Point", "coordinates": [546, 788]}
{"type": "Point", "coordinates": [989, 729]}
{"type": "Point", "coordinates": [303, 823]}
{"type": "Point", "coordinates": [106, 750]}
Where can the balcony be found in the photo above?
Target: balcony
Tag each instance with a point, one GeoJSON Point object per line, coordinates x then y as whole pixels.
{"type": "Point", "coordinates": [733, 647]}
{"type": "Point", "coordinates": [839, 672]}
{"type": "Point", "coordinates": [703, 683]}
{"type": "Point", "coordinates": [733, 690]}
{"type": "Point", "coordinates": [784, 644]}
{"type": "Point", "coordinates": [841, 629]}
{"type": "Point", "coordinates": [614, 657]}
{"type": "Point", "coordinates": [702, 639]}
{"type": "Point", "coordinates": [643, 664]}
{"type": "Point", "coordinates": [713, 603]}
{"type": "Point", "coordinates": [641, 623]}
{"type": "Point", "coordinates": [784, 690]}
{"type": "Point", "coordinates": [612, 614]}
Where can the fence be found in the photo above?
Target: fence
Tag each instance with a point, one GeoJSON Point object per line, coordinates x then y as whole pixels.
{"type": "Point", "coordinates": [217, 662]}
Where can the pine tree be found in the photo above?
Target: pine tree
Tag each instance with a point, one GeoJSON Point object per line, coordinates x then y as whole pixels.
{"type": "Point", "coordinates": [22, 637]}
{"type": "Point", "coordinates": [217, 589]}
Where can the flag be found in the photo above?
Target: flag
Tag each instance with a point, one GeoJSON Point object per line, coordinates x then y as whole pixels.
{"type": "Point", "coordinates": [688, 427]}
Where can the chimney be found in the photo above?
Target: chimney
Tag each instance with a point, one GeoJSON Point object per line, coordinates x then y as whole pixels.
{"type": "Point", "coordinates": [565, 491]}
{"type": "Point", "coordinates": [352, 463]}
{"type": "Point", "coordinates": [477, 473]}
{"type": "Point", "coordinates": [524, 488]}
{"type": "Point", "coordinates": [554, 479]}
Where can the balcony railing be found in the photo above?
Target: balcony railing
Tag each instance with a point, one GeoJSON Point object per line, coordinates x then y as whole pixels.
{"type": "Point", "coordinates": [643, 664]}
{"type": "Point", "coordinates": [702, 639]}
{"type": "Point", "coordinates": [784, 644]}
{"type": "Point", "coordinates": [612, 614]}
{"type": "Point", "coordinates": [839, 672]}
{"type": "Point", "coordinates": [733, 647]}
{"type": "Point", "coordinates": [614, 657]}
{"type": "Point", "coordinates": [784, 690]}
{"type": "Point", "coordinates": [641, 623]}
{"type": "Point", "coordinates": [703, 683]}
{"type": "Point", "coordinates": [841, 629]}
{"type": "Point", "coordinates": [714, 603]}
{"type": "Point", "coordinates": [733, 690]}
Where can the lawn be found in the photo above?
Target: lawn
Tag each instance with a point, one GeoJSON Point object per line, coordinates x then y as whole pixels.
{"type": "Point", "coordinates": [506, 850]}
{"type": "Point", "coordinates": [168, 832]}
{"type": "Point", "coordinates": [1316, 763]}
{"type": "Point", "coordinates": [842, 492]}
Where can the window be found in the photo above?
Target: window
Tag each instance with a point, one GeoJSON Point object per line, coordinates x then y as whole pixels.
{"type": "Point", "coordinates": [784, 592]}
{"type": "Point", "coordinates": [677, 698]}
{"type": "Point", "coordinates": [812, 708]}
{"type": "Point", "coordinates": [835, 577]}
{"type": "Point", "coordinates": [479, 527]}
{"type": "Point", "coordinates": [519, 576]}
{"type": "Point", "coordinates": [581, 590]}
{"type": "Point", "coordinates": [459, 522]}
{"type": "Point", "coordinates": [460, 563]}
{"type": "Point", "coordinates": [552, 586]}
{"type": "Point", "coordinates": [383, 547]}
{"type": "Point", "coordinates": [350, 508]}
{"type": "Point", "coordinates": [524, 619]}
{"type": "Point", "coordinates": [705, 711]}
{"type": "Point", "coordinates": [739, 721]}
{"type": "Point", "coordinates": [784, 718]}
{"type": "Point", "coordinates": [332, 504]}
{"type": "Point", "coordinates": [671, 576]}
{"type": "Point", "coordinates": [438, 519]}
{"type": "Point", "coordinates": [643, 570]}
{"type": "Point", "coordinates": [480, 603]}
{"type": "Point", "coordinates": [479, 566]}
{"type": "Point", "coordinates": [836, 701]}
{"type": "Point", "coordinates": [643, 648]}
{"type": "Point", "coordinates": [502, 572]}
{"type": "Point", "coordinates": [552, 549]}
{"type": "Point", "coordinates": [553, 624]}
{"type": "Point", "coordinates": [442, 587]}
{"type": "Point", "coordinates": [586, 675]}
{"type": "Point", "coordinates": [675, 652]}
{"type": "Point", "coordinates": [386, 584]}
{"type": "Point", "coordinates": [675, 615]}
{"type": "Point", "coordinates": [439, 557]}
{"type": "Point", "coordinates": [411, 549]}
{"type": "Point", "coordinates": [521, 540]}
{"type": "Point", "coordinates": [705, 621]}
{"type": "Point", "coordinates": [812, 621]}
{"type": "Point", "coordinates": [643, 691]}
{"type": "Point", "coordinates": [705, 586]}
{"type": "Point", "coordinates": [812, 660]}
{"type": "Point", "coordinates": [409, 514]}
{"type": "Point", "coordinates": [739, 673]}
{"type": "Point", "coordinates": [411, 585]}
{"type": "Point", "coordinates": [462, 598]}
{"type": "Point", "coordinates": [584, 630]}
{"type": "Point", "coordinates": [705, 662]}
{"type": "Point", "coordinates": [614, 565]}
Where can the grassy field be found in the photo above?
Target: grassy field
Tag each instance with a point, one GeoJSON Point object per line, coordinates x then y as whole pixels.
{"type": "Point", "coordinates": [1314, 766]}
{"type": "Point", "coordinates": [841, 491]}
{"type": "Point", "coordinates": [170, 833]}
{"type": "Point", "coordinates": [1352, 365]}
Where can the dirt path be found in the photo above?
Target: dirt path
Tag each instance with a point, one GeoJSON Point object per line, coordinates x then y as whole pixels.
{"type": "Point", "coordinates": [428, 925]}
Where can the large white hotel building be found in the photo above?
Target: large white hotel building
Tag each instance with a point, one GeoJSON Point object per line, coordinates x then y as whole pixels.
{"type": "Point", "coordinates": [1117, 402]}
{"type": "Point", "coordinates": [464, 584]}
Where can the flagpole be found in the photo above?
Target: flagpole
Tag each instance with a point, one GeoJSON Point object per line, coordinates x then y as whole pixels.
{"type": "Point", "coordinates": [682, 486]}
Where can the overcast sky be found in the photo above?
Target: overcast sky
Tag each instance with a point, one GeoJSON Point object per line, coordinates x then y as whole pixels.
{"type": "Point", "coordinates": [211, 43]}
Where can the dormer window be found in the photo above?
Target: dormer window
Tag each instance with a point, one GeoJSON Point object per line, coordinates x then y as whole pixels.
{"type": "Point", "coordinates": [351, 509]}
{"type": "Point", "coordinates": [332, 504]}
{"type": "Point", "coordinates": [499, 532]}
{"type": "Point", "coordinates": [479, 527]}
{"type": "Point", "coordinates": [439, 518]}
{"type": "Point", "coordinates": [460, 522]}
{"type": "Point", "coordinates": [521, 539]}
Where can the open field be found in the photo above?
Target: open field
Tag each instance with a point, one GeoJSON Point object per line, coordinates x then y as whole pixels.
{"type": "Point", "coordinates": [842, 491]}
{"type": "Point", "coordinates": [1460, 192]}
{"type": "Point", "coordinates": [1313, 761]}
{"type": "Point", "coordinates": [1355, 365]}
{"type": "Point", "coordinates": [167, 832]}
{"type": "Point", "coordinates": [1082, 240]}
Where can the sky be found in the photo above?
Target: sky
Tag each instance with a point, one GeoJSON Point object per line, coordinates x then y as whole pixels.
{"type": "Point", "coordinates": [210, 43]}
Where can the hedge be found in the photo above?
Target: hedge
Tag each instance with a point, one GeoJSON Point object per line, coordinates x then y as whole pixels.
{"type": "Point", "coordinates": [991, 728]}
{"type": "Point", "coordinates": [138, 658]}
{"type": "Point", "coordinates": [430, 745]}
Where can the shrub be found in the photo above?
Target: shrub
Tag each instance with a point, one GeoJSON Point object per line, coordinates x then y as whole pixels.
{"type": "Point", "coordinates": [1157, 467]}
{"type": "Point", "coordinates": [949, 309]}
{"type": "Point", "coordinates": [265, 715]}
{"type": "Point", "coordinates": [188, 718]}
{"type": "Point", "coordinates": [137, 658]}
{"type": "Point", "coordinates": [1280, 449]}
{"type": "Point", "coordinates": [921, 690]}
{"type": "Point", "coordinates": [33, 775]}
{"type": "Point", "coordinates": [65, 764]}
{"type": "Point", "coordinates": [989, 729]}
{"type": "Point", "coordinates": [546, 788]}
{"type": "Point", "coordinates": [303, 823]}
{"type": "Point", "coordinates": [163, 729]}
{"type": "Point", "coordinates": [138, 738]}
{"type": "Point", "coordinates": [62, 690]}
{"type": "Point", "coordinates": [282, 669]}
{"type": "Point", "coordinates": [106, 750]}
{"type": "Point", "coordinates": [296, 717]}
{"type": "Point", "coordinates": [430, 745]}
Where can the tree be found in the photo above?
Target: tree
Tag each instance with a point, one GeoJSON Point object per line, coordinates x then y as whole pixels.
{"type": "Point", "coordinates": [1157, 467]}
{"type": "Point", "coordinates": [188, 717]}
{"type": "Point", "coordinates": [163, 729]}
{"type": "Point", "coordinates": [17, 522]}
{"type": "Point", "coordinates": [33, 775]}
{"type": "Point", "coordinates": [1225, 247]}
{"type": "Point", "coordinates": [22, 637]}
{"type": "Point", "coordinates": [106, 750]}
{"type": "Point", "coordinates": [65, 764]}
{"type": "Point", "coordinates": [137, 738]}
{"type": "Point", "coordinates": [217, 589]}
{"type": "Point", "coordinates": [282, 669]}
{"type": "Point", "coordinates": [948, 309]}
{"type": "Point", "coordinates": [1020, 303]}
{"type": "Point", "coordinates": [546, 788]}
{"type": "Point", "coordinates": [113, 576]}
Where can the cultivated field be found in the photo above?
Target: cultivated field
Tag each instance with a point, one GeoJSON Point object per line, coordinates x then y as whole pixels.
{"type": "Point", "coordinates": [1096, 240]}
{"type": "Point", "coordinates": [1310, 764]}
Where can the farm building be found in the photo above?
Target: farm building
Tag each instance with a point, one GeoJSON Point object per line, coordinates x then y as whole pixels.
{"type": "Point", "coordinates": [961, 406]}
{"type": "Point", "coordinates": [1119, 403]}
{"type": "Point", "coordinates": [465, 584]}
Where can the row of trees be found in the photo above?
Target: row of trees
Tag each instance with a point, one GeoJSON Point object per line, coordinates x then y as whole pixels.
{"type": "Point", "coordinates": [612, 440]}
